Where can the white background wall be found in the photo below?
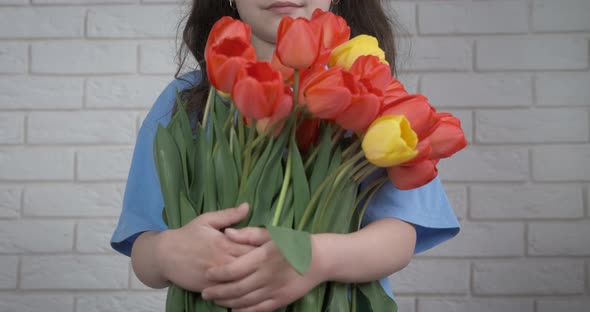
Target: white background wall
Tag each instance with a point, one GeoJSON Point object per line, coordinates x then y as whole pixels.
{"type": "Point", "coordinates": [77, 77]}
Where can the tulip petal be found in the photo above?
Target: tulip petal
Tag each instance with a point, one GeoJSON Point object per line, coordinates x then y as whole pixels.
{"type": "Point", "coordinates": [360, 113]}
{"type": "Point", "coordinates": [409, 177]}
{"type": "Point", "coordinates": [417, 110]}
{"type": "Point", "coordinates": [250, 99]}
{"type": "Point", "coordinates": [298, 43]}
{"type": "Point", "coordinates": [328, 102]}
{"type": "Point", "coordinates": [447, 139]}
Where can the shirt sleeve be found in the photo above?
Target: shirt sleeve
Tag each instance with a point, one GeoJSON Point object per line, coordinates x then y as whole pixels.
{"type": "Point", "coordinates": [427, 207]}
{"type": "Point", "coordinates": [142, 201]}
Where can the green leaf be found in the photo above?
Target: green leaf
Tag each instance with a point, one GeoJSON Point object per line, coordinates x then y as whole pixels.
{"type": "Point", "coordinates": [375, 296]}
{"type": "Point", "coordinates": [187, 211]}
{"type": "Point", "coordinates": [175, 301]}
{"type": "Point", "coordinates": [202, 305]}
{"type": "Point", "coordinates": [312, 301]}
{"type": "Point", "coordinates": [295, 246]}
{"type": "Point", "coordinates": [301, 191]}
{"type": "Point", "coordinates": [322, 162]}
{"type": "Point", "coordinates": [197, 187]}
{"type": "Point", "coordinates": [169, 168]}
{"type": "Point", "coordinates": [182, 148]}
{"type": "Point", "coordinates": [338, 300]}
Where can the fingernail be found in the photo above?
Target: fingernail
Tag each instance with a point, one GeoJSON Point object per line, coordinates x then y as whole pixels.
{"type": "Point", "coordinates": [205, 295]}
{"type": "Point", "coordinates": [230, 231]}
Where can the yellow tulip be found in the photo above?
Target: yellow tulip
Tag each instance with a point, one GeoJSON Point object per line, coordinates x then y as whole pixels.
{"type": "Point", "coordinates": [345, 54]}
{"type": "Point", "coordinates": [390, 141]}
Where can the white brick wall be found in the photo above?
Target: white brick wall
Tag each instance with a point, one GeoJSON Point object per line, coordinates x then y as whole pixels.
{"type": "Point", "coordinates": [516, 72]}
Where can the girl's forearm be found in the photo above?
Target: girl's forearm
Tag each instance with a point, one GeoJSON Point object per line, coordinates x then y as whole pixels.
{"type": "Point", "coordinates": [144, 259]}
{"type": "Point", "coordinates": [377, 250]}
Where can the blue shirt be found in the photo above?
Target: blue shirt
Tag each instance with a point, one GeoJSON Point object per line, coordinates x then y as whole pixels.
{"type": "Point", "coordinates": [426, 207]}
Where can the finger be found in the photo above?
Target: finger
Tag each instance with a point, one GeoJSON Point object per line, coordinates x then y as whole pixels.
{"type": "Point", "coordinates": [250, 299]}
{"type": "Point", "coordinates": [236, 270]}
{"type": "Point", "coordinates": [238, 250]}
{"type": "Point", "coordinates": [234, 290]}
{"type": "Point", "coordinates": [267, 305]}
{"type": "Point", "coordinates": [251, 235]}
{"type": "Point", "coordinates": [226, 217]}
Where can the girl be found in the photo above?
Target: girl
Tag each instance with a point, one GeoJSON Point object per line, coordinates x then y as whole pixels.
{"type": "Point", "coordinates": [243, 269]}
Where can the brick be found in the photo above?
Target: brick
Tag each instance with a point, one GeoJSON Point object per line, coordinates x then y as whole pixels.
{"type": "Point", "coordinates": [526, 202]}
{"type": "Point", "coordinates": [569, 305]}
{"type": "Point", "coordinates": [36, 302]}
{"type": "Point", "coordinates": [563, 89]}
{"type": "Point", "coordinates": [81, 127]}
{"type": "Point", "coordinates": [457, 196]}
{"type": "Point", "coordinates": [571, 160]}
{"type": "Point", "coordinates": [83, 57]}
{"type": "Point", "coordinates": [39, 22]}
{"type": "Point", "coordinates": [559, 238]}
{"type": "Point", "coordinates": [59, 2]}
{"type": "Point", "coordinates": [432, 277]}
{"type": "Point", "coordinates": [477, 163]}
{"type": "Point", "coordinates": [475, 304]}
{"type": "Point", "coordinates": [95, 235]}
{"type": "Point", "coordinates": [36, 164]}
{"type": "Point", "coordinates": [474, 241]}
{"type": "Point", "coordinates": [128, 92]}
{"type": "Point", "coordinates": [466, 118]}
{"type": "Point", "coordinates": [126, 302]}
{"type": "Point", "coordinates": [404, 14]}
{"type": "Point", "coordinates": [564, 15]}
{"type": "Point", "coordinates": [531, 126]}
{"type": "Point", "coordinates": [438, 54]}
{"type": "Point", "coordinates": [478, 90]}
{"type": "Point", "coordinates": [405, 304]}
{"type": "Point", "coordinates": [104, 164]}
{"type": "Point", "coordinates": [410, 82]}
{"type": "Point", "coordinates": [8, 272]}
{"type": "Point", "coordinates": [528, 277]}
{"type": "Point", "coordinates": [10, 201]}
{"type": "Point", "coordinates": [84, 200]}
{"type": "Point", "coordinates": [12, 127]}
{"type": "Point", "coordinates": [41, 93]}
{"type": "Point", "coordinates": [531, 53]}
{"type": "Point", "coordinates": [24, 236]}
{"type": "Point", "coordinates": [13, 58]}
{"type": "Point", "coordinates": [157, 58]}
{"type": "Point", "coordinates": [74, 272]}
{"type": "Point", "coordinates": [472, 18]}
{"type": "Point", "coordinates": [14, 2]}
{"type": "Point", "coordinates": [133, 22]}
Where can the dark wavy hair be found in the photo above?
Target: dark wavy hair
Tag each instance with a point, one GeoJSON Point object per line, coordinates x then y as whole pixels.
{"type": "Point", "coordinates": [363, 17]}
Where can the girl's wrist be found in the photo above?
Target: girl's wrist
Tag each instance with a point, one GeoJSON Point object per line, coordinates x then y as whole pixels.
{"type": "Point", "coordinates": [161, 253]}
{"type": "Point", "coordinates": [324, 257]}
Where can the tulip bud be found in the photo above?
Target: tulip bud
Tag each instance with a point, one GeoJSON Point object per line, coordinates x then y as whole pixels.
{"type": "Point", "coordinates": [390, 141]}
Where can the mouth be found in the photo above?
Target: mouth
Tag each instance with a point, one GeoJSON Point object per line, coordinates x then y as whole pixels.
{"type": "Point", "coordinates": [283, 7]}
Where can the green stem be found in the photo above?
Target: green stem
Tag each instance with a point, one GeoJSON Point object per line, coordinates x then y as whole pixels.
{"type": "Point", "coordinates": [351, 149]}
{"type": "Point", "coordinates": [230, 118]}
{"type": "Point", "coordinates": [210, 100]}
{"type": "Point", "coordinates": [371, 189]}
{"type": "Point", "coordinates": [353, 301]}
{"type": "Point", "coordinates": [247, 157]}
{"type": "Point", "coordinates": [284, 188]}
{"type": "Point", "coordinates": [309, 209]}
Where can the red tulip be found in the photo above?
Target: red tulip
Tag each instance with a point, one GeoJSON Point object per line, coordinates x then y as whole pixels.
{"type": "Point", "coordinates": [363, 108]}
{"type": "Point", "coordinates": [334, 29]}
{"type": "Point", "coordinates": [447, 137]}
{"type": "Point", "coordinates": [259, 94]}
{"type": "Point", "coordinates": [225, 59]}
{"type": "Point", "coordinates": [417, 110]}
{"type": "Point", "coordinates": [409, 177]}
{"type": "Point", "coordinates": [227, 27]}
{"type": "Point", "coordinates": [287, 72]}
{"type": "Point", "coordinates": [307, 133]}
{"type": "Point", "coordinates": [298, 42]}
{"type": "Point", "coordinates": [325, 93]}
{"type": "Point", "coordinates": [393, 92]}
{"type": "Point", "coordinates": [372, 71]}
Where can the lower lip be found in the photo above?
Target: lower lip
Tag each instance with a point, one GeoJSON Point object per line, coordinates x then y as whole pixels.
{"type": "Point", "coordinates": [283, 9]}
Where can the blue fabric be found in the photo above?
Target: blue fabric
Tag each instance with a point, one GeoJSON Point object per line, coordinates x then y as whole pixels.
{"type": "Point", "coordinates": [426, 207]}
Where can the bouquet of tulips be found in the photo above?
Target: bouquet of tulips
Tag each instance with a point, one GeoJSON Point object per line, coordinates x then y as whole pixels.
{"type": "Point", "coordinates": [295, 138]}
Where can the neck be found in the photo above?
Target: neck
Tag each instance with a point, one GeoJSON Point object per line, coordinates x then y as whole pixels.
{"type": "Point", "coordinates": [264, 49]}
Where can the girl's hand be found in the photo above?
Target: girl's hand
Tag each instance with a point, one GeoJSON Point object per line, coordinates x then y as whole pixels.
{"type": "Point", "coordinates": [185, 254]}
{"type": "Point", "coordinates": [261, 280]}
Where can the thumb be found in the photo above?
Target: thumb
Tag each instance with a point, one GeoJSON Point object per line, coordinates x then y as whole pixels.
{"type": "Point", "coordinates": [226, 217]}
